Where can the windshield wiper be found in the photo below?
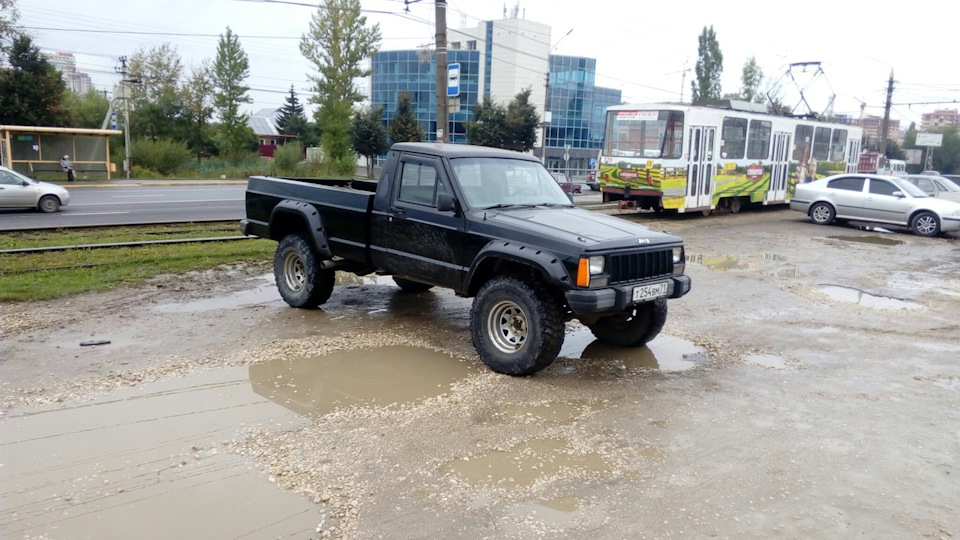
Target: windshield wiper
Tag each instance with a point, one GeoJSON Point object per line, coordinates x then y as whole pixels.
{"type": "Point", "coordinates": [501, 205]}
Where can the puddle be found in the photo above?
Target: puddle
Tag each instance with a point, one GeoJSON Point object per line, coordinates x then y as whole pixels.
{"type": "Point", "coordinates": [559, 512]}
{"type": "Point", "coordinates": [766, 360]}
{"type": "Point", "coordinates": [665, 353]}
{"type": "Point", "coordinates": [317, 385]}
{"type": "Point", "coordinates": [876, 240]}
{"type": "Point", "coordinates": [525, 464]}
{"type": "Point", "coordinates": [856, 296]}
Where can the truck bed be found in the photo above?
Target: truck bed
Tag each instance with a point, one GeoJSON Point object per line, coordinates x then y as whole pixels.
{"type": "Point", "coordinates": [343, 204]}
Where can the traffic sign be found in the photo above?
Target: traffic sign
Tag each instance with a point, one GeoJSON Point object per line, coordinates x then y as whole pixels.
{"type": "Point", "coordinates": [453, 80]}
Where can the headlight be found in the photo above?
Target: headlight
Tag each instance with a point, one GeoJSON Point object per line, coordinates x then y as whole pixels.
{"type": "Point", "coordinates": [679, 262]}
{"type": "Point", "coordinates": [596, 264]}
{"type": "Point", "coordinates": [677, 255]}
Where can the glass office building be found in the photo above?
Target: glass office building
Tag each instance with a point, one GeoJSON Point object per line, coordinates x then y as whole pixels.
{"type": "Point", "coordinates": [413, 71]}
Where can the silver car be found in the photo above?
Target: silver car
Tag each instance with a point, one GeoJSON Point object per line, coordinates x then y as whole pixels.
{"type": "Point", "coordinates": [936, 186]}
{"type": "Point", "coordinates": [883, 200]}
{"type": "Point", "coordinates": [18, 191]}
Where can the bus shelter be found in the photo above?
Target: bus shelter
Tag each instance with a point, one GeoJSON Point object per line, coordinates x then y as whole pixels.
{"type": "Point", "coordinates": [36, 149]}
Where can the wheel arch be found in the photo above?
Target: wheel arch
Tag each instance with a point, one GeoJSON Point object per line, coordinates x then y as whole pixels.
{"type": "Point", "coordinates": [506, 258]}
{"type": "Point", "coordinates": [297, 217]}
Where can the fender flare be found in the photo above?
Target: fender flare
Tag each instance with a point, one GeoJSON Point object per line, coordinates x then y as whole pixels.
{"type": "Point", "coordinates": [548, 264]}
{"type": "Point", "coordinates": [316, 233]}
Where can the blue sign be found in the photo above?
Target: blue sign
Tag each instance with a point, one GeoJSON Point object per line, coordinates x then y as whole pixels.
{"type": "Point", "coordinates": [593, 162]}
{"type": "Point", "coordinates": [453, 80]}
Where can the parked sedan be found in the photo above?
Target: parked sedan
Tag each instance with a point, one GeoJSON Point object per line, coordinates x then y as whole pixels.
{"type": "Point", "coordinates": [565, 184]}
{"type": "Point", "coordinates": [18, 191]}
{"type": "Point", "coordinates": [936, 186]}
{"type": "Point", "coordinates": [882, 200]}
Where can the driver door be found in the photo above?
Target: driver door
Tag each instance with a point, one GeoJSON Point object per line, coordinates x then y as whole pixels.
{"type": "Point", "coordinates": [13, 192]}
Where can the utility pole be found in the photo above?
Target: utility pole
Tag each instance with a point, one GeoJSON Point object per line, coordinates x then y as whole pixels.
{"type": "Point", "coordinates": [886, 117]}
{"type": "Point", "coordinates": [125, 86]}
{"type": "Point", "coordinates": [441, 42]}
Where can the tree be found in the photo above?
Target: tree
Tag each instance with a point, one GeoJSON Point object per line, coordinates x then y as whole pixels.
{"type": "Point", "coordinates": [404, 126]}
{"type": "Point", "coordinates": [750, 81]}
{"type": "Point", "coordinates": [946, 158]}
{"type": "Point", "coordinates": [9, 15]}
{"type": "Point", "coordinates": [709, 67]}
{"type": "Point", "coordinates": [291, 108]}
{"type": "Point", "coordinates": [512, 128]}
{"type": "Point", "coordinates": [86, 111]}
{"type": "Point", "coordinates": [489, 124]}
{"type": "Point", "coordinates": [522, 121]}
{"type": "Point", "coordinates": [31, 89]}
{"type": "Point", "coordinates": [369, 136]}
{"type": "Point", "coordinates": [230, 69]}
{"type": "Point", "coordinates": [198, 106]}
{"type": "Point", "coordinates": [337, 41]}
{"type": "Point", "coordinates": [155, 98]}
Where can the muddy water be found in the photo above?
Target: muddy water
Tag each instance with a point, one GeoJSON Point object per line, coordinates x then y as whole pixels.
{"type": "Point", "coordinates": [875, 240]}
{"type": "Point", "coordinates": [147, 460]}
{"type": "Point", "coordinates": [526, 463]}
{"type": "Point", "coordinates": [665, 353]}
{"type": "Point", "coordinates": [383, 376]}
{"type": "Point", "coordinates": [856, 296]}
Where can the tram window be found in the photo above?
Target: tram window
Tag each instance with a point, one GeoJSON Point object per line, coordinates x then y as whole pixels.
{"type": "Point", "coordinates": [837, 144]}
{"type": "Point", "coordinates": [758, 140]}
{"type": "Point", "coordinates": [821, 144]}
{"type": "Point", "coordinates": [734, 138]}
{"type": "Point", "coordinates": [802, 143]}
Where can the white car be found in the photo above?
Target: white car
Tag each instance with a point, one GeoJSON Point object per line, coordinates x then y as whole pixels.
{"type": "Point", "coordinates": [18, 191]}
{"type": "Point", "coordinates": [883, 200]}
{"type": "Point", "coordinates": [936, 186]}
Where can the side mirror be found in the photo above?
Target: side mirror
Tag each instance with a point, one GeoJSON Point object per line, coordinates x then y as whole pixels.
{"type": "Point", "coordinates": [446, 202]}
{"type": "Point", "coordinates": [898, 194]}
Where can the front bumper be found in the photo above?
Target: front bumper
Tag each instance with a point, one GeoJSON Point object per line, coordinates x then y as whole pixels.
{"type": "Point", "coordinates": [619, 297]}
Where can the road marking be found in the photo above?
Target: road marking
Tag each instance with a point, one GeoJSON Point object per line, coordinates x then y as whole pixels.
{"type": "Point", "coordinates": [134, 196]}
{"type": "Point", "coordinates": [155, 202]}
{"type": "Point", "coordinates": [70, 214]}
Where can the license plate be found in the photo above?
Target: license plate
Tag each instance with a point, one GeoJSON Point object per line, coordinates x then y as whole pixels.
{"type": "Point", "coordinates": [649, 292]}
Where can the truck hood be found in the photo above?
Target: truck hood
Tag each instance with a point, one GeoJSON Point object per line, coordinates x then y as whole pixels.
{"type": "Point", "coordinates": [590, 231]}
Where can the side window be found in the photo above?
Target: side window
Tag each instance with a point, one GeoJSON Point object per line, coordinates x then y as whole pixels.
{"type": "Point", "coordinates": [7, 179]}
{"type": "Point", "coordinates": [419, 183]}
{"type": "Point", "coordinates": [803, 142]}
{"type": "Point", "coordinates": [847, 184]}
{"type": "Point", "coordinates": [821, 144]}
{"type": "Point", "coordinates": [758, 145]}
{"type": "Point", "coordinates": [734, 138]}
{"type": "Point", "coordinates": [882, 187]}
{"type": "Point", "coordinates": [837, 144]}
{"type": "Point", "coordinates": [926, 185]}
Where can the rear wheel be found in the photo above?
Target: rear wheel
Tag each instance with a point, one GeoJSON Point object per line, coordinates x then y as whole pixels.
{"type": "Point", "coordinates": [735, 205]}
{"type": "Point", "coordinates": [822, 213]}
{"type": "Point", "coordinates": [49, 204]}
{"type": "Point", "coordinates": [634, 327]}
{"type": "Point", "coordinates": [300, 279]}
{"type": "Point", "coordinates": [411, 286]}
{"type": "Point", "coordinates": [516, 326]}
{"type": "Point", "coordinates": [925, 224]}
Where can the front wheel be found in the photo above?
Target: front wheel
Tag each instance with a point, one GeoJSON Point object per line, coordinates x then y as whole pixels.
{"type": "Point", "coordinates": [634, 327]}
{"type": "Point", "coordinates": [516, 326]}
{"type": "Point", "coordinates": [300, 279]}
{"type": "Point", "coordinates": [925, 224]}
{"type": "Point", "coordinates": [822, 213]}
{"type": "Point", "coordinates": [49, 204]}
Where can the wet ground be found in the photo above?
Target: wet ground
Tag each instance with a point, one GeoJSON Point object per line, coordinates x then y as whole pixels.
{"type": "Point", "coordinates": [808, 386]}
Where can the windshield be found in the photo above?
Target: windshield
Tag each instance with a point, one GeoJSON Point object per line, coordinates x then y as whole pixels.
{"type": "Point", "coordinates": [909, 188]}
{"type": "Point", "coordinates": [499, 182]}
{"type": "Point", "coordinates": [647, 134]}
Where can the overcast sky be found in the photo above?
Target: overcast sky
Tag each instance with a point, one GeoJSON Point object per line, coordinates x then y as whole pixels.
{"type": "Point", "coordinates": [642, 48]}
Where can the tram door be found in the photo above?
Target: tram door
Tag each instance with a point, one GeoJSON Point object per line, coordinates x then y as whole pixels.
{"type": "Point", "coordinates": [779, 168]}
{"type": "Point", "coordinates": [853, 155]}
{"type": "Point", "coordinates": [701, 168]}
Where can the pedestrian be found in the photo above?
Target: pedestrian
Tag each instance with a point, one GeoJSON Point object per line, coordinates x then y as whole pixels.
{"type": "Point", "coordinates": [67, 167]}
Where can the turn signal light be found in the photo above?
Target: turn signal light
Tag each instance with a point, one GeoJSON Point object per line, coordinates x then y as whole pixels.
{"type": "Point", "coordinates": [583, 272]}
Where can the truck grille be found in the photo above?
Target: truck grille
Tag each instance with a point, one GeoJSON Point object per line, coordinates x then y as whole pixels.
{"type": "Point", "coordinates": [638, 266]}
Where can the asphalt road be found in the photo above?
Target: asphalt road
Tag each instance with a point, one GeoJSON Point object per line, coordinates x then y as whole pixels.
{"type": "Point", "coordinates": [126, 204]}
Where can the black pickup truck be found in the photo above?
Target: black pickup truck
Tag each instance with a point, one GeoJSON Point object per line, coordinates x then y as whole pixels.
{"type": "Point", "coordinates": [489, 224]}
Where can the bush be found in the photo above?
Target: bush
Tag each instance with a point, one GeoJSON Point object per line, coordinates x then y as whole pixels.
{"type": "Point", "coordinates": [163, 156]}
{"type": "Point", "coordinates": [287, 158]}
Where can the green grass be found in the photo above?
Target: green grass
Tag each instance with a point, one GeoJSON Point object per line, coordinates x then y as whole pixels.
{"type": "Point", "coordinates": [42, 276]}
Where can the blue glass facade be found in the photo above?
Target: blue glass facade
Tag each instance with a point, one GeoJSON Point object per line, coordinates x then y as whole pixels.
{"type": "Point", "coordinates": [398, 71]}
{"type": "Point", "coordinates": [577, 105]}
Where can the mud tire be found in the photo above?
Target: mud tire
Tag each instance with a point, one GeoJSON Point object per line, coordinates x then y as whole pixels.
{"type": "Point", "coordinates": [516, 326]}
{"type": "Point", "coordinates": [300, 280]}
{"type": "Point", "coordinates": [634, 327]}
{"type": "Point", "coordinates": [409, 286]}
